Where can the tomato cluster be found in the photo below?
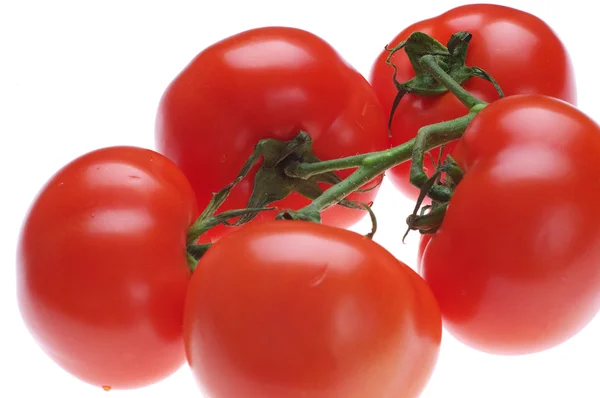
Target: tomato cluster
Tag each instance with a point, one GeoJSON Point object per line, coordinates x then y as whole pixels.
{"type": "Point", "coordinates": [118, 289]}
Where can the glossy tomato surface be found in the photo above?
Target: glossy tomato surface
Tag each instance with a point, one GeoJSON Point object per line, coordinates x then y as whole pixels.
{"type": "Point", "coordinates": [514, 265]}
{"type": "Point", "coordinates": [266, 83]}
{"type": "Point", "coordinates": [291, 309]}
{"type": "Point", "coordinates": [518, 49]}
{"type": "Point", "coordinates": [102, 271]}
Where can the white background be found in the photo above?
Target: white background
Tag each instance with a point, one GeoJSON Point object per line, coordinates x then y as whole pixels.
{"type": "Point", "coordinates": [79, 75]}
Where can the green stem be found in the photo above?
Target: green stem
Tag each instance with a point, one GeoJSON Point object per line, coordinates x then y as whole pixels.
{"type": "Point", "coordinates": [452, 127]}
{"type": "Point", "coordinates": [432, 134]}
{"type": "Point", "coordinates": [307, 170]}
{"type": "Point", "coordinates": [373, 217]}
{"type": "Point", "coordinates": [430, 65]}
{"type": "Point", "coordinates": [371, 166]}
{"type": "Point", "coordinates": [377, 163]}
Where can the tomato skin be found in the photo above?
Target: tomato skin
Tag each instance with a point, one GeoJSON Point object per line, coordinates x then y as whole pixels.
{"type": "Point", "coordinates": [267, 83]}
{"type": "Point", "coordinates": [265, 317]}
{"type": "Point", "coordinates": [514, 264]}
{"type": "Point", "coordinates": [526, 121]}
{"type": "Point", "coordinates": [519, 50]}
{"type": "Point", "coordinates": [101, 267]}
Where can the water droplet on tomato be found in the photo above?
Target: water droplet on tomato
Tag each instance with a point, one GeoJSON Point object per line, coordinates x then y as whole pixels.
{"type": "Point", "coordinates": [106, 388]}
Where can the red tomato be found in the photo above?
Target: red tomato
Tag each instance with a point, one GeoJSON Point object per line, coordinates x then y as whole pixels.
{"type": "Point", "coordinates": [102, 270]}
{"type": "Point", "coordinates": [514, 264]}
{"type": "Point", "coordinates": [267, 82]}
{"type": "Point", "coordinates": [289, 308]}
{"type": "Point", "coordinates": [518, 49]}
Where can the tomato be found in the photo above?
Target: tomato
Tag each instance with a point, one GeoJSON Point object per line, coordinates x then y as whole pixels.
{"type": "Point", "coordinates": [101, 267]}
{"type": "Point", "coordinates": [514, 265]}
{"type": "Point", "coordinates": [265, 317]}
{"type": "Point", "coordinates": [267, 83]}
{"type": "Point", "coordinates": [518, 49]}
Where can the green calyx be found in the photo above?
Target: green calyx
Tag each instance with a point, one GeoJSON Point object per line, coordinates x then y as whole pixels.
{"type": "Point", "coordinates": [277, 177]}
{"type": "Point", "coordinates": [451, 59]}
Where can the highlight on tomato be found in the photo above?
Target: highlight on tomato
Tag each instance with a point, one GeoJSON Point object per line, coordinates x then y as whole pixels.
{"type": "Point", "coordinates": [290, 308]}
{"type": "Point", "coordinates": [511, 45]}
{"type": "Point", "coordinates": [269, 82]}
{"type": "Point", "coordinates": [514, 264]}
{"type": "Point", "coordinates": [102, 270]}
